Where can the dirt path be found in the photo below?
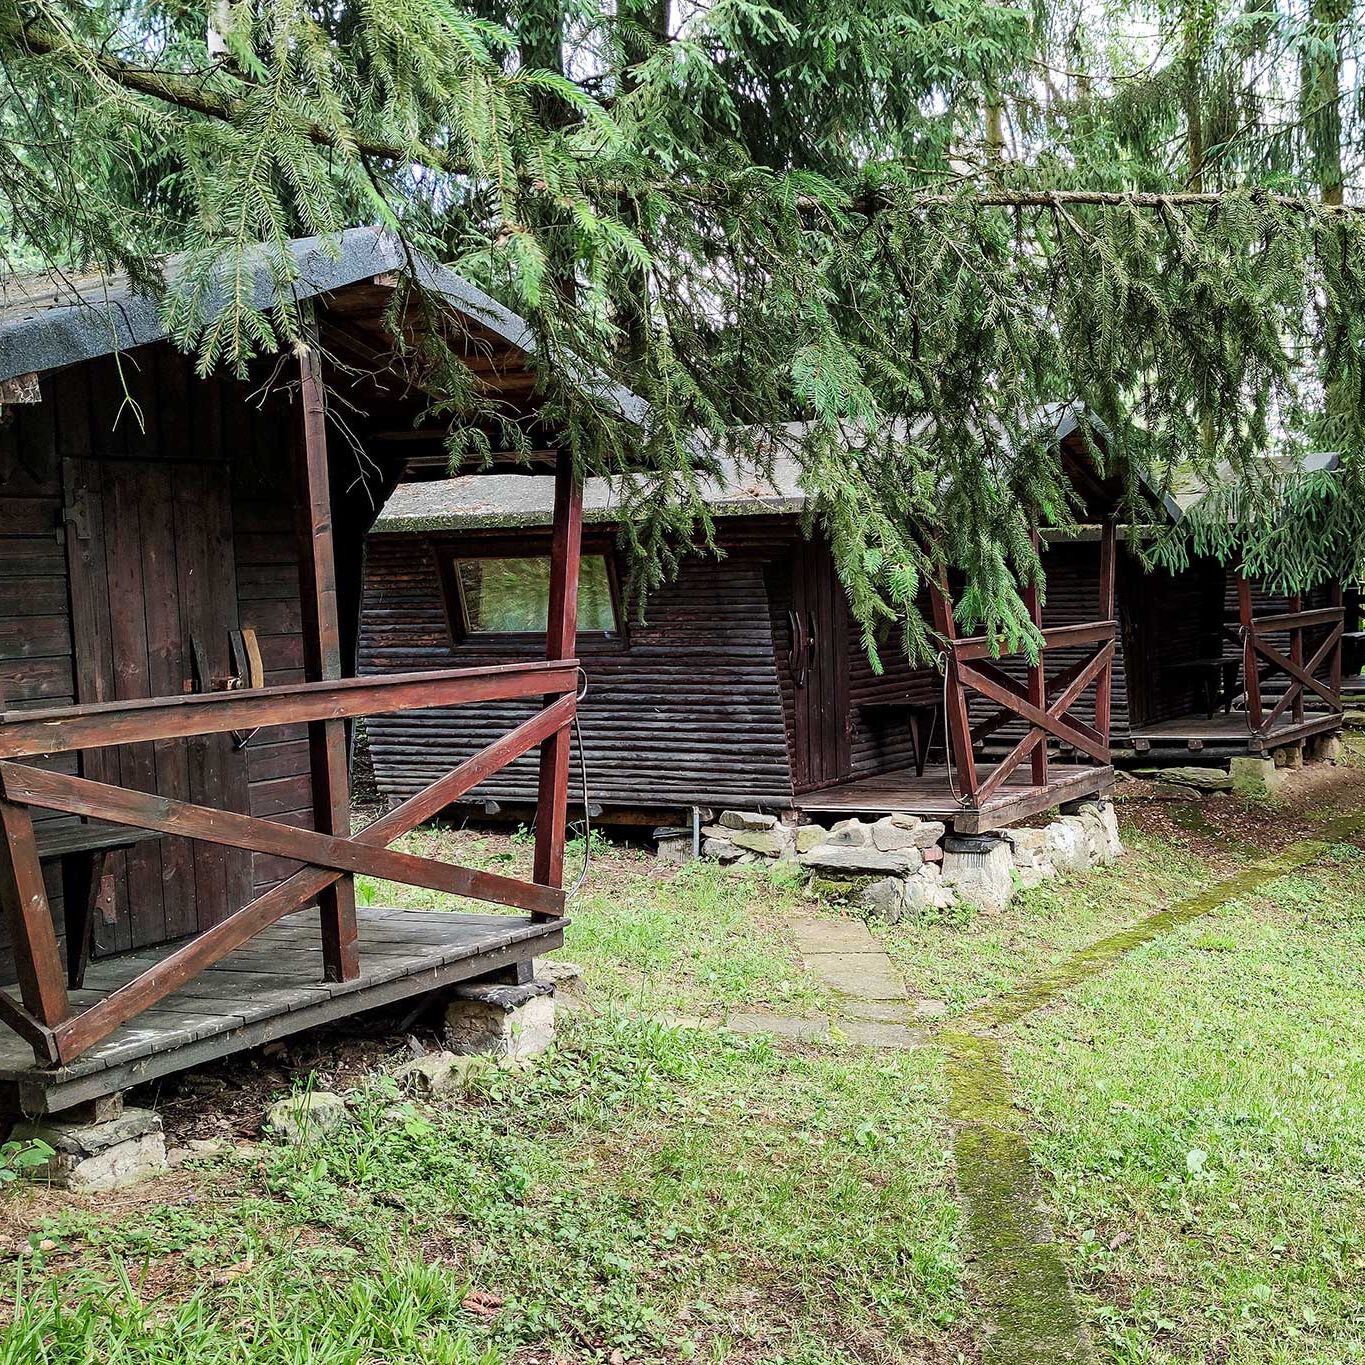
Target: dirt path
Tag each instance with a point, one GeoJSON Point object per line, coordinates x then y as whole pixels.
{"type": "Point", "coordinates": [1028, 1314]}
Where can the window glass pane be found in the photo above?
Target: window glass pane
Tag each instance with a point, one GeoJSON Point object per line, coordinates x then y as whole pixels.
{"type": "Point", "coordinates": [508, 596]}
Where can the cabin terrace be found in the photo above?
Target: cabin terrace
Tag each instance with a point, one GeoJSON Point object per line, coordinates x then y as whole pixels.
{"type": "Point", "coordinates": [745, 687]}
{"type": "Point", "coordinates": [181, 567]}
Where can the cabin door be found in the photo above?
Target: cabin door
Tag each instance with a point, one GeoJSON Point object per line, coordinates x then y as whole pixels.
{"type": "Point", "coordinates": [817, 627]}
{"type": "Point", "coordinates": [153, 599]}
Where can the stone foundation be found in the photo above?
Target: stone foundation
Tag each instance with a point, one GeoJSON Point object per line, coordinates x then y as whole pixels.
{"type": "Point", "coordinates": [501, 1021]}
{"type": "Point", "coordinates": [104, 1154]}
{"type": "Point", "coordinates": [900, 865]}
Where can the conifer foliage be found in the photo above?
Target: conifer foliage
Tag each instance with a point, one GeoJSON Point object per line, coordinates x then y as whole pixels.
{"type": "Point", "coordinates": [910, 226]}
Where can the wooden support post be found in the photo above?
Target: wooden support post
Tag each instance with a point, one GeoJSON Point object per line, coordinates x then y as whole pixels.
{"type": "Point", "coordinates": [1104, 687]}
{"type": "Point", "coordinates": [561, 634]}
{"type": "Point", "coordinates": [322, 660]}
{"type": "Point", "coordinates": [1250, 666]}
{"type": "Point", "coordinates": [1037, 675]}
{"type": "Point", "coordinates": [1334, 599]}
{"type": "Point", "coordinates": [1296, 654]}
{"type": "Point", "coordinates": [957, 722]}
{"type": "Point", "coordinates": [37, 960]}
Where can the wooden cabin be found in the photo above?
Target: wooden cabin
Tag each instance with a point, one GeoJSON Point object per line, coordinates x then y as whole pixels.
{"type": "Point", "coordinates": [745, 685]}
{"type": "Point", "coordinates": [1209, 660]}
{"type": "Point", "coordinates": [181, 566]}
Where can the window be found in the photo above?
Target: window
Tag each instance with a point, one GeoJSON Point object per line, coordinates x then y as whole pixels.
{"type": "Point", "coordinates": [512, 596]}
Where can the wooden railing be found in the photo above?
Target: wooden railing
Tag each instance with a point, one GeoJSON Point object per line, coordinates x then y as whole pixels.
{"type": "Point", "coordinates": [1045, 704]}
{"type": "Point", "coordinates": [44, 1018]}
{"type": "Point", "coordinates": [1261, 659]}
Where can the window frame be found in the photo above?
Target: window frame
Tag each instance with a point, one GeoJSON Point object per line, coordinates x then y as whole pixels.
{"type": "Point", "coordinates": [447, 553]}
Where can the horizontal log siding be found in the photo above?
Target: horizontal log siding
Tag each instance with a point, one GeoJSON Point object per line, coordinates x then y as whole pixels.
{"type": "Point", "coordinates": [688, 712]}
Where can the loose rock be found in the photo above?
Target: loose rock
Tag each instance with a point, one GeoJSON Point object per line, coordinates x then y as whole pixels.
{"type": "Point", "coordinates": [746, 820]}
{"type": "Point", "coordinates": [306, 1118]}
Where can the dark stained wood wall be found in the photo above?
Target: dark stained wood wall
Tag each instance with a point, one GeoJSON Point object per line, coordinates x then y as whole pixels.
{"type": "Point", "coordinates": [688, 713]}
{"type": "Point", "coordinates": [246, 573]}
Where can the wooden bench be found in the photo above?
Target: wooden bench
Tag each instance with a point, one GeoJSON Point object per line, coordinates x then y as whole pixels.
{"type": "Point", "coordinates": [1217, 679]}
{"type": "Point", "coordinates": [921, 720]}
{"type": "Point", "coordinates": [82, 849]}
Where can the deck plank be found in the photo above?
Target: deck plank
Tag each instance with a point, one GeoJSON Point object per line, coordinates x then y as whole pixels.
{"type": "Point", "coordinates": [270, 987]}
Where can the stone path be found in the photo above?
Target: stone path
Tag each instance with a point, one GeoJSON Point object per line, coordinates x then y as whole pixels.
{"type": "Point", "coordinates": [872, 1006]}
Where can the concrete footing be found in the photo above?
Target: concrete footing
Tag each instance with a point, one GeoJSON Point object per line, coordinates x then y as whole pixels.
{"type": "Point", "coordinates": [501, 1020]}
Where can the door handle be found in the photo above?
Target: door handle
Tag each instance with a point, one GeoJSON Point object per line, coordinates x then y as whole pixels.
{"type": "Point", "coordinates": [799, 652]}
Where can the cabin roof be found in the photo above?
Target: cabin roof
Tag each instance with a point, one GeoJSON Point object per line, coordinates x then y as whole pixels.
{"type": "Point", "coordinates": [1191, 490]}
{"type": "Point", "coordinates": [477, 501]}
{"type": "Point", "coordinates": [53, 319]}
{"type": "Point", "coordinates": [493, 501]}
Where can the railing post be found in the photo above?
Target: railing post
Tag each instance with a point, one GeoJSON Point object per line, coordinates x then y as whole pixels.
{"type": "Point", "coordinates": [1296, 656]}
{"type": "Point", "coordinates": [1037, 671]}
{"type": "Point", "coordinates": [561, 633]}
{"type": "Point", "coordinates": [322, 659]}
{"type": "Point", "coordinates": [957, 722]}
{"type": "Point", "coordinates": [1250, 668]}
{"type": "Point", "coordinates": [1104, 686]}
{"type": "Point", "coordinates": [37, 959]}
{"type": "Point", "coordinates": [1334, 600]}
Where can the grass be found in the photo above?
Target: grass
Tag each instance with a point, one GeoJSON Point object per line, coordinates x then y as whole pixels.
{"type": "Point", "coordinates": [661, 1190]}
{"type": "Point", "coordinates": [1200, 1114]}
{"type": "Point", "coordinates": [665, 1192]}
{"type": "Point", "coordinates": [963, 957]}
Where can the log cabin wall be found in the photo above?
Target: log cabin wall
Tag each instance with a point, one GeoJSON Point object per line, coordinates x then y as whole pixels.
{"type": "Point", "coordinates": [685, 711]}
{"type": "Point", "coordinates": [102, 487]}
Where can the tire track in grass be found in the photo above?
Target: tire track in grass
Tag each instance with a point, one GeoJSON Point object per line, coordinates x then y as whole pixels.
{"type": "Point", "coordinates": [1028, 1313]}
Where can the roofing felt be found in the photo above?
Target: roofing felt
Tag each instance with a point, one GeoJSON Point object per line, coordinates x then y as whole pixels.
{"type": "Point", "coordinates": [491, 501]}
{"type": "Point", "coordinates": [51, 320]}
{"type": "Point", "coordinates": [511, 500]}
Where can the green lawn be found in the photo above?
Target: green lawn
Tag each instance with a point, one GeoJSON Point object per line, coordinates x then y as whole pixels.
{"type": "Point", "coordinates": [659, 1189]}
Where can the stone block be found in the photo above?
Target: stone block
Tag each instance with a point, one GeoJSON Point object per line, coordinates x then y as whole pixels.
{"type": "Point", "coordinates": [768, 842]}
{"type": "Point", "coordinates": [746, 820]}
{"type": "Point", "coordinates": [933, 854]}
{"type": "Point", "coordinates": [850, 834]}
{"type": "Point", "coordinates": [722, 850]}
{"type": "Point", "coordinates": [926, 893]}
{"type": "Point", "coordinates": [1252, 776]}
{"type": "Point", "coordinates": [809, 837]}
{"type": "Point", "coordinates": [107, 1155]}
{"type": "Point", "coordinates": [980, 870]}
{"type": "Point", "coordinates": [929, 833]}
{"type": "Point", "coordinates": [860, 861]}
{"type": "Point", "coordinates": [501, 1021]}
{"type": "Point", "coordinates": [885, 899]}
{"type": "Point", "coordinates": [1206, 779]}
{"type": "Point", "coordinates": [307, 1117]}
{"type": "Point", "coordinates": [1028, 845]}
{"type": "Point", "coordinates": [1067, 847]}
{"type": "Point", "coordinates": [894, 832]}
{"type": "Point", "coordinates": [438, 1073]}
{"type": "Point", "coordinates": [1324, 749]}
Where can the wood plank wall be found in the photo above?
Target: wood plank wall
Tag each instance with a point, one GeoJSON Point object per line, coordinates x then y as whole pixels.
{"type": "Point", "coordinates": [688, 713]}
{"type": "Point", "coordinates": [255, 572]}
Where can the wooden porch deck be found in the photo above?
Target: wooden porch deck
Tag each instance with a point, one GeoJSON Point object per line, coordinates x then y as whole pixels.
{"type": "Point", "coordinates": [1231, 730]}
{"type": "Point", "coordinates": [270, 987]}
{"type": "Point", "coordinates": [931, 797]}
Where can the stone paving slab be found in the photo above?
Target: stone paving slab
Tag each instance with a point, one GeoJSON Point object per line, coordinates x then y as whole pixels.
{"type": "Point", "coordinates": [819, 934]}
{"type": "Point", "coordinates": [867, 975]}
{"type": "Point", "coordinates": [874, 1033]}
{"type": "Point", "coordinates": [809, 1030]}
